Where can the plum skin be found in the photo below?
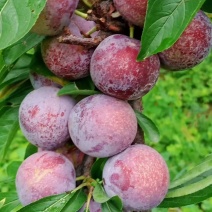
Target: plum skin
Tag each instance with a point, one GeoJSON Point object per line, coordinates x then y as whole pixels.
{"type": "Point", "coordinates": [66, 60]}
{"type": "Point", "coordinates": [44, 174]}
{"type": "Point", "coordinates": [43, 117]}
{"type": "Point", "coordinates": [38, 81]}
{"type": "Point", "coordinates": [133, 11]}
{"type": "Point", "coordinates": [115, 71]}
{"type": "Point", "coordinates": [192, 47]}
{"type": "Point", "coordinates": [138, 175]}
{"type": "Point", "coordinates": [54, 17]}
{"type": "Point", "coordinates": [102, 126]}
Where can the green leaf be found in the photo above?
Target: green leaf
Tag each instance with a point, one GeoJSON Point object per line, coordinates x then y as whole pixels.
{"type": "Point", "coordinates": [113, 205]}
{"type": "Point", "coordinates": [207, 6]}
{"type": "Point", "coordinates": [9, 126]}
{"type": "Point", "coordinates": [203, 170]}
{"type": "Point", "coordinates": [57, 203]}
{"type": "Point", "coordinates": [76, 202]}
{"type": "Point", "coordinates": [72, 89]}
{"type": "Point", "coordinates": [31, 149]}
{"type": "Point", "coordinates": [85, 83]}
{"type": "Point", "coordinates": [12, 168]}
{"type": "Point", "coordinates": [17, 18]}
{"type": "Point", "coordinates": [99, 194]}
{"type": "Point", "coordinates": [147, 125]}
{"type": "Point", "coordinates": [11, 201]}
{"type": "Point", "coordinates": [165, 22]}
{"type": "Point", "coordinates": [12, 53]}
{"type": "Point", "coordinates": [97, 168]}
{"type": "Point", "coordinates": [192, 187]}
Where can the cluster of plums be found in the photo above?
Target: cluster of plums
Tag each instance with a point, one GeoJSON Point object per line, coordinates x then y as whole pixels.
{"type": "Point", "coordinates": [101, 125]}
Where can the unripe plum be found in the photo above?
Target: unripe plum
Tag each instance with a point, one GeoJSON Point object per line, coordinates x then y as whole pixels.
{"type": "Point", "coordinates": [43, 117]}
{"type": "Point", "coordinates": [54, 17]}
{"type": "Point", "coordinates": [38, 81]}
{"type": "Point", "coordinates": [139, 176]}
{"type": "Point", "coordinates": [192, 47]}
{"type": "Point", "coordinates": [133, 11]}
{"type": "Point", "coordinates": [102, 126]}
{"type": "Point", "coordinates": [44, 174]}
{"type": "Point", "coordinates": [66, 60]}
{"type": "Point", "coordinates": [115, 71]}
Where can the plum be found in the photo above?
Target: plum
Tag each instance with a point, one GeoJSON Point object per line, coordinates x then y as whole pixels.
{"type": "Point", "coordinates": [115, 71]}
{"type": "Point", "coordinates": [133, 11]}
{"type": "Point", "coordinates": [66, 60]}
{"type": "Point", "coordinates": [138, 175]}
{"type": "Point", "coordinates": [38, 81]}
{"type": "Point", "coordinates": [102, 126]}
{"type": "Point", "coordinates": [43, 117]}
{"type": "Point", "coordinates": [192, 47]}
{"type": "Point", "coordinates": [54, 17]}
{"type": "Point", "coordinates": [44, 174]}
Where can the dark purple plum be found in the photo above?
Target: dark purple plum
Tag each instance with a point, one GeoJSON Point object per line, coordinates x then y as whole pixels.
{"type": "Point", "coordinates": [192, 47]}
{"type": "Point", "coordinates": [133, 11]}
{"type": "Point", "coordinates": [43, 117]}
{"type": "Point", "coordinates": [115, 71]}
{"type": "Point", "coordinates": [139, 176]}
{"type": "Point", "coordinates": [102, 126]}
{"type": "Point", "coordinates": [44, 174]}
{"type": "Point", "coordinates": [66, 60]}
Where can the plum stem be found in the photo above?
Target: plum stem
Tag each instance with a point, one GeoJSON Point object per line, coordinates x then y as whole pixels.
{"type": "Point", "coordinates": [132, 30]}
{"type": "Point", "coordinates": [94, 29]}
{"type": "Point", "coordinates": [89, 197]}
{"type": "Point", "coordinates": [81, 14]}
{"type": "Point", "coordinates": [81, 178]}
{"type": "Point", "coordinates": [58, 80]}
{"type": "Point", "coordinates": [86, 184]}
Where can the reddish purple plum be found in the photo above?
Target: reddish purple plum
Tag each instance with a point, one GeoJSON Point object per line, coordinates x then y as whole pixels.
{"type": "Point", "coordinates": [139, 176]}
{"type": "Point", "coordinates": [44, 174]}
{"type": "Point", "coordinates": [43, 117]}
{"type": "Point", "coordinates": [102, 126]}
{"type": "Point", "coordinates": [192, 47]}
{"type": "Point", "coordinates": [54, 17]}
{"type": "Point", "coordinates": [66, 60]}
{"type": "Point", "coordinates": [38, 81]}
{"type": "Point", "coordinates": [115, 71]}
{"type": "Point", "coordinates": [133, 11]}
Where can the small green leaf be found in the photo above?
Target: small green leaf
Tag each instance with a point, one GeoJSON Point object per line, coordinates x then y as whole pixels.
{"type": "Point", "coordinates": [76, 202]}
{"type": "Point", "coordinates": [12, 168]}
{"type": "Point", "coordinates": [165, 22]}
{"type": "Point", "coordinates": [9, 126]}
{"type": "Point", "coordinates": [113, 205]}
{"type": "Point", "coordinates": [17, 18]}
{"type": "Point", "coordinates": [11, 201]}
{"type": "Point", "coordinates": [31, 149]}
{"type": "Point", "coordinates": [72, 89]}
{"type": "Point", "coordinates": [12, 53]}
{"type": "Point", "coordinates": [56, 203]}
{"type": "Point", "coordinates": [85, 83]}
{"type": "Point", "coordinates": [147, 125]}
{"type": "Point", "coordinates": [99, 194]}
{"type": "Point", "coordinates": [97, 168]}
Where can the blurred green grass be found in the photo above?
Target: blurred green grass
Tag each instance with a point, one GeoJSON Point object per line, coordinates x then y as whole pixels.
{"type": "Point", "coordinates": [181, 106]}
